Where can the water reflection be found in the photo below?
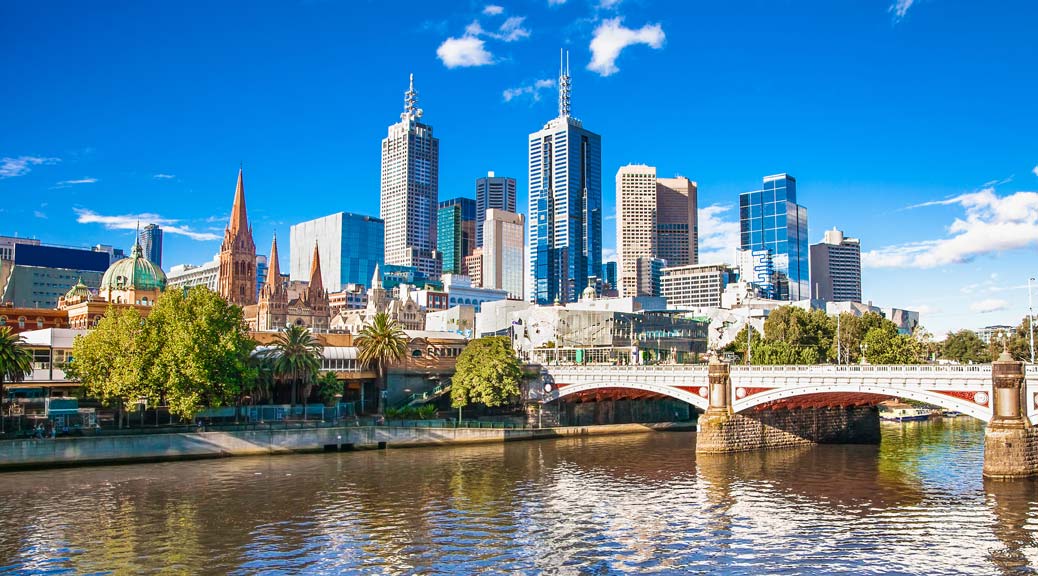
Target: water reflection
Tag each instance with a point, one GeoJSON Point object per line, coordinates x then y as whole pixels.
{"type": "Point", "coordinates": [577, 506]}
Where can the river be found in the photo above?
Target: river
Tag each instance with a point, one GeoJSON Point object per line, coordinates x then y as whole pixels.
{"type": "Point", "coordinates": [604, 505]}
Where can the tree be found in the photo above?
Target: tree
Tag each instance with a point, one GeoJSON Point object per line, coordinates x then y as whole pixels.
{"type": "Point", "coordinates": [109, 361]}
{"type": "Point", "coordinates": [199, 349]}
{"type": "Point", "coordinates": [487, 373]}
{"type": "Point", "coordinates": [298, 357]}
{"type": "Point", "coordinates": [15, 360]}
{"type": "Point", "coordinates": [1017, 341]}
{"type": "Point", "coordinates": [329, 388]}
{"type": "Point", "coordinates": [802, 330]}
{"type": "Point", "coordinates": [884, 345]}
{"type": "Point", "coordinates": [381, 342]}
{"type": "Point", "coordinates": [965, 347]}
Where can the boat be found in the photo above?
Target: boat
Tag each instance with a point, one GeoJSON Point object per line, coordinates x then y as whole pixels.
{"type": "Point", "coordinates": [903, 413]}
{"type": "Point", "coordinates": [951, 413]}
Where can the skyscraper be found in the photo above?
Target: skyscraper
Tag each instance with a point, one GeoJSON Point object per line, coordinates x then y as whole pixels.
{"type": "Point", "coordinates": [503, 252]}
{"type": "Point", "coordinates": [237, 279]}
{"type": "Point", "coordinates": [151, 243]}
{"type": "Point", "coordinates": [456, 233]}
{"type": "Point", "coordinates": [836, 268]}
{"type": "Point", "coordinates": [565, 241]}
{"type": "Point", "coordinates": [410, 190]}
{"type": "Point", "coordinates": [655, 220]}
{"type": "Point", "coordinates": [351, 245]}
{"type": "Point", "coordinates": [492, 192]}
{"type": "Point", "coordinates": [770, 219]}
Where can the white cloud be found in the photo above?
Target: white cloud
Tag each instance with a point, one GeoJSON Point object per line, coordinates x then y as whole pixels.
{"type": "Point", "coordinates": [718, 238]}
{"type": "Point", "coordinates": [464, 52]}
{"type": "Point", "coordinates": [39, 214]}
{"type": "Point", "coordinates": [989, 305]}
{"type": "Point", "coordinates": [493, 10]}
{"type": "Point", "coordinates": [991, 224]}
{"type": "Point", "coordinates": [900, 8]}
{"type": "Point", "coordinates": [531, 90]}
{"type": "Point", "coordinates": [65, 183]}
{"type": "Point", "coordinates": [608, 4]}
{"type": "Point", "coordinates": [1035, 170]}
{"type": "Point", "coordinates": [609, 255]}
{"type": "Point", "coordinates": [132, 221]}
{"type": "Point", "coordinates": [164, 176]}
{"type": "Point", "coordinates": [611, 37]}
{"type": "Point", "coordinates": [22, 165]}
{"type": "Point", "coordinates": [556, 2]}
{"type": "Point", "coordinates": [512, 30]}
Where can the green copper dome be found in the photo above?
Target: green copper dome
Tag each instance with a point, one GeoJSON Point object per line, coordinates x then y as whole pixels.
{"type": "Point", "coordinates": [80, 290]}
{"type": "Point", "coordinates": [135, 272]}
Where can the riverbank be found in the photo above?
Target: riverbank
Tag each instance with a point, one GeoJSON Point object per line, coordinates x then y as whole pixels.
{"type": "Point", "coordinates": [88, 451]}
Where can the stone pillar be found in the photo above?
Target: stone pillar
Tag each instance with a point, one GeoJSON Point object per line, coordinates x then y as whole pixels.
{"type": "Point", "coordinates": [1010, 440]}
{"type": "Point", "coordinates": [719, 376]}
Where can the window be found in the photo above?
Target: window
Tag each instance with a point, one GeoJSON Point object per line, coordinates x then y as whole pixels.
{"type": "Point", "coordinates": [21, 322]}
{"type": "Point", "coordinates": [39, 322]}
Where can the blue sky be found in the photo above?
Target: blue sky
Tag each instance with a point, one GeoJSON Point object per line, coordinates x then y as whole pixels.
{"type": "Point", "coordinates": [909, 124]}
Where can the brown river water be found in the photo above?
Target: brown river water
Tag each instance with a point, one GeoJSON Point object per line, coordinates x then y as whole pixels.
{"type": "Point", "coordinates": [641, 504]}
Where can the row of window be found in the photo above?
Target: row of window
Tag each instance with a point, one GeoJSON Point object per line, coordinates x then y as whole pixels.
{"type": "Point", "coordinates": [21, 322]}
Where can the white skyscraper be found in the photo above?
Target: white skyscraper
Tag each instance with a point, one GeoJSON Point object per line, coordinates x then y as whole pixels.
{"type": "Point", "coordinates": [410, 190]}
{"type": "Point", "coordinates": [503, 252]}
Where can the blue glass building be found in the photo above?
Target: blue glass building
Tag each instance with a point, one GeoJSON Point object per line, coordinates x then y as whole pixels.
{"type": "Point", "coordinates": [456, 232]}
{"type": "Point", "coordinates": [565, 239]}
{"type": "Point", "coordinates": [350, 246]}
{"type": "Point", "coordinates": [770, 219]}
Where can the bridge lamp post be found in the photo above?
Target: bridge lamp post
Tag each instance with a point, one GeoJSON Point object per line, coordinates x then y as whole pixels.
{"type": "Point", "coordinates": [1030, 317]}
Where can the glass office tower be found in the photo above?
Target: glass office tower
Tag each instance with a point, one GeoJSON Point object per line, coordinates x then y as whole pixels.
{"type": "Point", "coordinates": [565, 240]}
{"type": "Point", "coordinates": [456, 232]}
{"type": "Point", "coordinates": [770, 219]}
{"type": "Point", "coordinates": [351, 245]}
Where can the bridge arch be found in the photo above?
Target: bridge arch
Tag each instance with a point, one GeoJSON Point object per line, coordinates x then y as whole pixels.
{"type": "Point", "coordinates": [979, 411]}
{"type": "Point", "coordinates": [663, 390]}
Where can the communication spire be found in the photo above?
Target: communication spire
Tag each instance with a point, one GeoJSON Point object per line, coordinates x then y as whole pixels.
{"type": "Point", "coordinates": [564, 84]}
{"type": "Point", "coordinates": [411, 109]}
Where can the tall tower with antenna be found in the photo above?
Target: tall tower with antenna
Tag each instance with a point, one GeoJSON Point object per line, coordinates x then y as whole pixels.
{"type": "Point", "coordinates": [410, 190]}
{"type": "Point", "coordinates": [565, 225]}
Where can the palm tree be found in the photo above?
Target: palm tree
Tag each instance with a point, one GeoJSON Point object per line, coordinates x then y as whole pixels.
{"type": "Point", "coordinates": [298, 356]}
{"type": "Point", "coordinates": [381, 342]}
{"type": "Point", "coordinates": [15, 362]}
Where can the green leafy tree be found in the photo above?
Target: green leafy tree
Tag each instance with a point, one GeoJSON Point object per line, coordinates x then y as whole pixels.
{"type": "Point", "coordinates": [884, 345]}
{"type": "Point", "coordinates": [381, 342]}
{"type": "Point", "coordinates": [15, 359]}
{"type": "Point", "coordinates": [198, 349]}
{"type": "Point", "coordinates": [802, 330]}
{"type": "Point", "coordinates": [965, 347]}
{"type": "Point", "coordinates": [1017, 341]}
{"type": "Point", "coordinates": [329, 388]}
{"type": "Point", "coordinates": [298, 358]}
{"type": "Point", "coordinates": [487, 373]}
{"type": "Point", "coordinates": [110, 361]}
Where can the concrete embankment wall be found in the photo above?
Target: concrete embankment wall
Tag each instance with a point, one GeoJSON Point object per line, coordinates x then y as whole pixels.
{"type": "Point", "coordinates": [755, 430]}
{"type": "Point", "coordinates": [15, 454]}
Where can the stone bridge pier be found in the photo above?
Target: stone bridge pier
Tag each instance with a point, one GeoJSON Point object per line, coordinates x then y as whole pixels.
{"type": "Point", "coordinates": [1010, 441]}
{"type": "Point", "coordinates": [722, 430]}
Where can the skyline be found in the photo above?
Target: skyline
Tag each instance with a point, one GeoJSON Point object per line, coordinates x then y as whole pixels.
{"type": "Point", "coordinates": [921, 180]}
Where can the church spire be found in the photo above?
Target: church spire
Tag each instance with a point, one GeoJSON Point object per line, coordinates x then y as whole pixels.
{"type": "Point", "coordinates": [376, 278]}
{"type": "Point", "coordinates": [274, 268]}
{"type": "Point", "coordinates": [564, 84]}
{"type": "Point", "coordinates": [315, 272]}
{"type": "Point", "coordinates": [239, 218]}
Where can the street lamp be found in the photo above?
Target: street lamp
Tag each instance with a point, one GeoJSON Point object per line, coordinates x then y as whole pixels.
{"type": "Point", "coordinates": [1030, 317]}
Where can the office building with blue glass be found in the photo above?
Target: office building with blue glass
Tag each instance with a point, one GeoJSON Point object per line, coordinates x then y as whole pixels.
{"type": "Point", "coordinates": [350, 245]}
{"type": "Point", "coordinates": [770, 219]}
{"type": "Point", "coordinates": [456, 232]}
{"type": "Point", "coordinates": [565, 206]}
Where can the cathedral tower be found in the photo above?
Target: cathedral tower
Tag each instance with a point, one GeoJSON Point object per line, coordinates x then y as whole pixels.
{"type": "Point", "coordinates": [238, 254]}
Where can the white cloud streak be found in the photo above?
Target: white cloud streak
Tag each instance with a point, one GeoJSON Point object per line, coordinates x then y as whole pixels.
{"type": "Point", "coordinates": [900, 7]}
{"type": "Point", "coordinates": [718, 238]}
{"type": "Point", "coordinates": [164, 176]}
{"type": "Point", "coordinates": [532, 90]}
{"type": "Point", "coordinates": [65, 183]}
{"type": "Point", "coordinates": [1035, 170]}
{"type": "Point", "coordinates": [132, 221]}
{"type": "Point", "coordinates": [22, 165]}
{"type": "Point", "coordinates": [989, 305]}
{"type": "Point", "coordinates": [991, 224]}
{"type": "Point", "coordinates": [493, 10]}
{"type": "Point", "coordinates": [611, 37]}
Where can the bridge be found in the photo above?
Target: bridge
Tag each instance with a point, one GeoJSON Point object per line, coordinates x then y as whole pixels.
{"type": "Point", "coordinates": [741, 402]}
{"type": "Point", "coordinates": [967, 389]}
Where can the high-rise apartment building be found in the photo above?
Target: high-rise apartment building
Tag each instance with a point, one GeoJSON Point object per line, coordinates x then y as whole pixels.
{"type": "Point", "coordinates": [836, 268]}
{"type": "Point", "coordinates": [456, 227]}
{"type": "Point", "coordinates": [350, 245]}
{"type": "Point", "coordinates": [655, 220]}
{"type": "Point", "coordinates": [770, 219]}
{"type": "Point", "coordinates": [410, 190]}
{"type": "Point", "coordinates": [565, 239]}
{"type": "Point", "coordinates": [492, 192]}
{"type": "Point", "coordinates": [151, 243]}
{"type": "Point", "coordinates": [695, 285]}
{"type": "Point", "coordinates": [503, 252]}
